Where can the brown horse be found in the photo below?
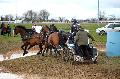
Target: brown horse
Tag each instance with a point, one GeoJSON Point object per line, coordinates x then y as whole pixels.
{"type": "Point", "coordinates": [45, 29]}
{"type": "Point", "coordinates": [54, 42]}
{"type": "Point", "coordinates": [29, 38]}
{"type": "Point", "coordinates": [54, 39]}
{"type": "Point", "coordinates": [53, 28]}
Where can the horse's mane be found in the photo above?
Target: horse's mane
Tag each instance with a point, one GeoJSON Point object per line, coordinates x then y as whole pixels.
{"type": "Point", "coordinates": [53, 28]}
{"type": "Point", "coordinates": [20, 26]}
{"type": "Point", "coordinates": [45, 27]}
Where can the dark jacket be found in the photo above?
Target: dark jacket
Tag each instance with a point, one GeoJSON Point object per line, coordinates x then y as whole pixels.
{"type": "Point", "coordinates": [81, 37]}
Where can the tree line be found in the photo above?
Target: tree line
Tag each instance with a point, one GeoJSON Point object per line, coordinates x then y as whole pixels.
{"type": "Point", "coordinates": [43, 15]}
{"type": "Point", "coordinates": [30, 15]}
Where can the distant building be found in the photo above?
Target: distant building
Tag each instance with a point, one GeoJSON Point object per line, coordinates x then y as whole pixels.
{"type": "Point", "coordinates": [110, 21]}
{"type": "Point", "coordinates": [18, 21]}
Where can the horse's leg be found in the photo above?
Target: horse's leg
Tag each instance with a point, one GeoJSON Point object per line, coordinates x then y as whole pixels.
{"type": "Point", "coordinates": [57, 52]}
{"type": "Point", "coordinates": [50, 49]}
{"type": "Point", "coordinates": [40, 49]}
{"type": "Point", "coordinates": [9, 34]}
{"type": "Point", "coordinates": [30, 47]}
{"type": "Point", "coordinates": [25, 52]}
{"type": "Point", "coordinates": [22, 47]}
{"type": "Point", "coordinates": [44, 48]}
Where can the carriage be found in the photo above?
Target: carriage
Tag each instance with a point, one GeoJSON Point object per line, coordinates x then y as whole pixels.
{"type": "Point", "coordinates": [70, 54]}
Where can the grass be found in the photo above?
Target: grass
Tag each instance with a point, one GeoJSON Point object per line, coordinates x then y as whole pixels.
{"type": "Point", "coordinates": [9, 43]}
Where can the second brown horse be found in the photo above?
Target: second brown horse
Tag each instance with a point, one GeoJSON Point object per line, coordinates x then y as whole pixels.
{"type": "Point", "coordinates": [30, 38]}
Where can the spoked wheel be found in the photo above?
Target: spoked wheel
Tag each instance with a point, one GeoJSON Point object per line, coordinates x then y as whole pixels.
{"type": "Point", "coordinates": [67, 54]}
{"type": "Point", "coordinates": [56, 52]}
{"type": "Point", "coordinates": [94, 59]}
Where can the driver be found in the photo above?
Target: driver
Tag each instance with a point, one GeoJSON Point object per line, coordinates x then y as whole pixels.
{"type": "Point", "coordinates": [81, 42]}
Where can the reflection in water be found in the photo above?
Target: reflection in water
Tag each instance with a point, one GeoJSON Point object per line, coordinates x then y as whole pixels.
{"type": "Point", "coordinates": [15, 55]}
{"type": "Point", "coordinates": [1, 58]}
{"type": "Point", "coordinates": [9, 76]}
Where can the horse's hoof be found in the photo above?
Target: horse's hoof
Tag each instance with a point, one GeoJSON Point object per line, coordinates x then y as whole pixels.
{"type": "Point", "coordinates": [23, 54]}
{"type": "Point", "coordinates": [42, 54]}
{"type": "Point", "coordinates": [26, 52]}
{"type": "Point", "coordinates": [38, 53]}
{"type": "Point", "coordinates": [95, 62]}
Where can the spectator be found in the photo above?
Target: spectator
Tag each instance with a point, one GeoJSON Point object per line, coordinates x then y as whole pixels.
{"type": "Point", "coordinates": [2, 25]}
{"type": "Point", "coordinates": [8, 30]}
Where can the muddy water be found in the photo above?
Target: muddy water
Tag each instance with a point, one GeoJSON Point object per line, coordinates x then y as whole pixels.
{"type": "Point", "coordinates": [1, 58]}
{"type": "Point", "coordinates": [15, 55]}
{"type": "Point", "coordinates": [9, 76]}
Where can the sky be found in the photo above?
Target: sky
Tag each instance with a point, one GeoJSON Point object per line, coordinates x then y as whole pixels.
{"type": "Point", "coordinates": [79, 9]}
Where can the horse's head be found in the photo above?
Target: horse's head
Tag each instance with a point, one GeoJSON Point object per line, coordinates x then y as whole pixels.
{"type": "Point", "coordinates": [16, 31]}
{"type": "Point", "coordinates": [53, 28]}
{"type": "Point", "coordinates": [19, 29]}
{"type": "Point", "coordinates": [45, 29]}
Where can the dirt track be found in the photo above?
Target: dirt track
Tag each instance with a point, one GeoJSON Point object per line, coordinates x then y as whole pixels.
{"type": "Point", "coordinates": [39, 67]}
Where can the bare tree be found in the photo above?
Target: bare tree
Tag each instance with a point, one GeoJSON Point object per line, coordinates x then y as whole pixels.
{"type": "Point", "coordinates": [61, 19]}
{"type": "Point", "coordinates": [112, 17]}
{"type": "Point", "coordinates": [102, 15]}
{"type": "Point", "coordinates": [30, 15]}
{"type": "Point", "coordinates": [8, 17]}
{"type": "Point", "coordinates": [43, 15]}
{"type": "Point", "coordinates": [2, 18]}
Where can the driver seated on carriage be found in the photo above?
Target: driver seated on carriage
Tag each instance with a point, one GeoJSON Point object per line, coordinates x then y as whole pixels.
{"type": "Point", "coordinates": [81, 43]}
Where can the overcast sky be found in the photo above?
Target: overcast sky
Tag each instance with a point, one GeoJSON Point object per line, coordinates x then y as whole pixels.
{"type": "Point", "coordinates": [81, 9]}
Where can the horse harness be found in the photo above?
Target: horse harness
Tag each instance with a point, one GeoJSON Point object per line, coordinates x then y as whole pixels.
{"type": "Point", "coordinates": [28, 34]}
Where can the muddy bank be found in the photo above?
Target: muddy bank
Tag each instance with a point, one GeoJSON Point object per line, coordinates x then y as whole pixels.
{"type": "Point", "coordinates": [40, 67]}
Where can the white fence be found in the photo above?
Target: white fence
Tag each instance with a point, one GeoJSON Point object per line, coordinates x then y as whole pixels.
{"type": "Point", "coordinates": [16, 21]}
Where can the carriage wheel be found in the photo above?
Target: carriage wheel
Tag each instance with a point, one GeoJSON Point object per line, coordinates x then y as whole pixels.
{"type": "Point", "coordinates": [95, 62]}
{"type": "Point", "coordinates": [66, 54]}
